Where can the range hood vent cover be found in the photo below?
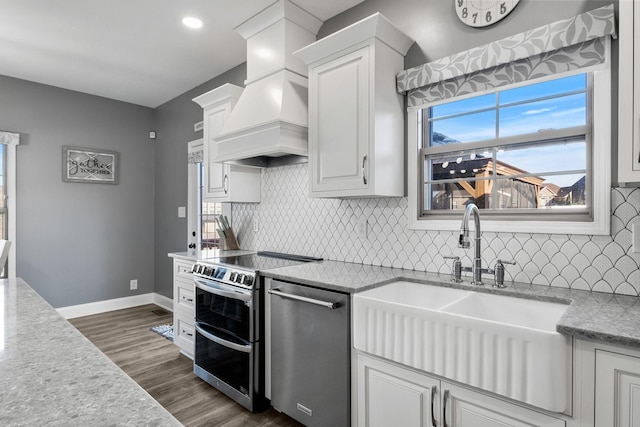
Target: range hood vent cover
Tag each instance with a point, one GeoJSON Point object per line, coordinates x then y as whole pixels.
{"type": "Point", "coordinates": [270, 118]}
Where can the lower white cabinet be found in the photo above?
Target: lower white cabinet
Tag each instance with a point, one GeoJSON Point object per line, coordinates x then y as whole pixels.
{"type": "Point", "coordinates": [391, 395]}
{"type": "Point", "coordinates": [183, 307]}
{"type": "Point", "coordinates": [617, 390]}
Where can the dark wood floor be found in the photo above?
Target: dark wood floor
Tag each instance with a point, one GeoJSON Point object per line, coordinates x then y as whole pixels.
{"type": "Point", "coordinates": [155, 363]}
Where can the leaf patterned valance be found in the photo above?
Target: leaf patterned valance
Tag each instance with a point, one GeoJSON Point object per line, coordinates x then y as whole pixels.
{"type": "Point", "coordinates": [569, 41]}
{"type": "Point", "coordinates": [9, 138]}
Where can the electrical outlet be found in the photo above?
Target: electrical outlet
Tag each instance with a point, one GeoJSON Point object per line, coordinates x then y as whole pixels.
{"type": "Point", "coordinates": [133, 284]}
{"type": "Point", "coordinates": [361, 228]}
{"type": "Point", "coordinates": [255, 225]}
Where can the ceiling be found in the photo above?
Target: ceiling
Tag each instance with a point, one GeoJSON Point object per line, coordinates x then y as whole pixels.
{"type": "Point", "coordinates": [134, 51]}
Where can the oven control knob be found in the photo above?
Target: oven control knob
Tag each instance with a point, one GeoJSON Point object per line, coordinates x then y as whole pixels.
{"type": "Point", "coordinates": [233, 276]}
{"type": "Point", "coordinates": [239, 278]}
{"type": "Point", "coordinates": [248, 280]}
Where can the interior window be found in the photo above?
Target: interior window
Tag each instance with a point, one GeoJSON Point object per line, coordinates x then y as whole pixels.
{"type": "Point", "coordinates": [524, 150]}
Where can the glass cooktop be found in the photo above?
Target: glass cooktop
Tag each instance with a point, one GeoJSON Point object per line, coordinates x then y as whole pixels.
{"type": "Point", "coordinates": [264, 260]}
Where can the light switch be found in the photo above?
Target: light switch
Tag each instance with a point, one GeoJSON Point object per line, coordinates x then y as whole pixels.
{"type": "Point", "coordinates": [635, 232]}
{"type": "Point", "coordinates": [182, 212]}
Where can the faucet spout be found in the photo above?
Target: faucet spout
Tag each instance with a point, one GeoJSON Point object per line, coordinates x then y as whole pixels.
{"type": "Point", "coordinates": [464, 241]}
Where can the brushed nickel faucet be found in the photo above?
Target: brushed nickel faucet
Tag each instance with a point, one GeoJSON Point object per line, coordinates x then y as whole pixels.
{"type": "Point", "coordinates": [464, 242]}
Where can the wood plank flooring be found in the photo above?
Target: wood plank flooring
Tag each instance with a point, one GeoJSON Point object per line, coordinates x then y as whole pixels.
{"type": "Point", "coordinates": [156, 364]}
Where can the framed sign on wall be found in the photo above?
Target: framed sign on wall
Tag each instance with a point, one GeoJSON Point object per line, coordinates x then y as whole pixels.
{"type": "Point", "coordinates": [89, 165]}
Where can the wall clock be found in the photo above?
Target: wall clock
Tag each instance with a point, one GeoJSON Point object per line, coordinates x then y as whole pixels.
{"type": "Point", "coordinates": [482, 13]}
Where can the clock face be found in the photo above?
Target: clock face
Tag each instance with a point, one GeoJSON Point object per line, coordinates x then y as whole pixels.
{"type": "Point", "coordinates": [482, 13]}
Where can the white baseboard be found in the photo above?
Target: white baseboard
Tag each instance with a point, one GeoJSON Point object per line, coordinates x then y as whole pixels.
{"type": "Point", "coordinates": [162, 301]}
{"type": "Point", "coordinates": [80, 310]}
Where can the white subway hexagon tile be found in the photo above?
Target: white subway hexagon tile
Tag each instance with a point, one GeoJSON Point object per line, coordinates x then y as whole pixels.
{"type": "Point", "coordinates": [618, 196]}
{"type": "Point", "coordinates": [291, 221]}
{"type": "Point", "coordinates": [626, 265]}
{"type": "Point", "coordinates": [625, 239]}
{"type": "Point", "coordinates": [581, 284]}
{"type": "Point", "coordinates": [616, 226]}
{"type": "Point", "coordinates": [570, 274]}
{"type": "Point", "coordinates": [626, 288]}
{"type": "Point", "coordinates": [602, 286]}
{"type": "Point", "coordinates": [580, 261]}
{"type": "Point", "coordinates": [540, 259]}
{"type": "Point", "coordinates": [580, 240]}
{"type": "Point", "coordinates": [613, 251]}
{"type": "Point", "coordinates": [633, 197]}
{"type": "Point", "coordinates": [590, 250]}
{"type": "Point", "coordinates": [613, 277]}
{"type": "Point", "coordinates": [634, 279]}
{"type": "Point", "coordinates": [569, 249]}
{"type": "Point", "coordinates": [560, 282]}
{"type": "Point", "coordinates": [602, 263]}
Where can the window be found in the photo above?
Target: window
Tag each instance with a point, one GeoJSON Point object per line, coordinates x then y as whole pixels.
{"type": "Point", "coordinates": [522, 150]}
{"type": "Point", "coordinates": [533, 156]}
{"type": "Point", "coordinates": [208, 233]}
{"type": "Point", "coordinates": [200, 213]}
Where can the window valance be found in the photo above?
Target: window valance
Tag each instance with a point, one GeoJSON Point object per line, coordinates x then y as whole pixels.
{"type": "Point", "coordinates": [565, 45]}
{"type": "Point", "coordinates": [9, 138]}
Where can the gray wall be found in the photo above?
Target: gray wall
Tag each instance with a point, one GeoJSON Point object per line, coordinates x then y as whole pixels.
{"type": "Point", "coordinates": [80, 243]}
{"type": "Point", "coordinates": [175, 121]}
{"type": "Point", "coordinates": [438, 32]}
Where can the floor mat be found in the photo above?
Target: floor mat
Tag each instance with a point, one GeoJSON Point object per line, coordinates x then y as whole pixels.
{"type": "Point", "coordinates": [164, 330]}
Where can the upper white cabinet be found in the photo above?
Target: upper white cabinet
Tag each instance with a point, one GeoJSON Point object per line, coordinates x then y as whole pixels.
{"type": "Point", "coordinates": [356, 116]}
{"type": "Point", "coordinates": [629, 93]}
{"type": "Point", "coordinates": [224, 182]}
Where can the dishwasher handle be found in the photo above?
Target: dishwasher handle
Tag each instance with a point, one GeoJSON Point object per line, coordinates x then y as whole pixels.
{"type": "Point", "coordinates": [327, 304]}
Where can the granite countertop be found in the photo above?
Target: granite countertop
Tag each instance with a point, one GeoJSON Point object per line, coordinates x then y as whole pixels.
{"type": "Point", "coordinates": [591, 315]}
{"type": "Point", "coordinates": [206, 254]}
{"type": "Point", "coordinates": [50, 374]}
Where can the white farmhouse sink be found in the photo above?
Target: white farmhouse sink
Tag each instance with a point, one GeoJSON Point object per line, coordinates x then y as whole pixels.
{"type": "Point", "coordinates": [505, 345]}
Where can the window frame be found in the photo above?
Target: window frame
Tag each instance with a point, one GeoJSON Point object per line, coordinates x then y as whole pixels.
{"type": "Point", "coordinates": [599, 223]}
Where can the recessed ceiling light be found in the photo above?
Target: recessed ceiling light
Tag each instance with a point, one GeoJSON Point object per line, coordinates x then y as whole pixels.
{"type": "Point", "coordinates": [192, 22]}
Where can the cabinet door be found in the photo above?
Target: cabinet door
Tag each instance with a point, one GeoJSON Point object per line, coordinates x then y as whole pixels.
{"type": "Point", "coordinates": [617, 390]}
{"type": "Point", "coordinates": [340, 120]}
{"type": "Point", "coordinates": [466, 408]}
{"type": "Point", "coordinates": [629, 93]}
{"type": "Point", "coordinates": [392, 396]}
{"type": "Point", "coordinates": [216, 175]}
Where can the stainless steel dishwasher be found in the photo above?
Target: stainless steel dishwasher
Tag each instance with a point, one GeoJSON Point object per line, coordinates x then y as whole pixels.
{"type": "Point", "coordinates": [310, 358]}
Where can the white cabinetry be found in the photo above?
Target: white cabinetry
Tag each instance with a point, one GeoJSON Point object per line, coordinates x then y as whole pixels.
{"type": "Point", "coordinates": [389, 394]}
{"type": "Point", "coordinates": [224, 182]}
{"type": "Point", "coordinates": [617, 390]}
{"type": "Point", "coordinates": [356, 119]}
{"type": "Point", "coordinates": [183, 306]}
{"type": "Point", "coordinates": [629, 93]}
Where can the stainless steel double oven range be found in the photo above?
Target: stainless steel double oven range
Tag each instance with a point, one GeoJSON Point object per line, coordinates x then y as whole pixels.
{"type": "Point", "coordinates": [229, 323]}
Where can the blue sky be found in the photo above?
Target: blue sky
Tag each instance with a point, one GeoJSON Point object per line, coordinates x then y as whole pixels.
{"type": "Point", "coordinates": [557, 113]}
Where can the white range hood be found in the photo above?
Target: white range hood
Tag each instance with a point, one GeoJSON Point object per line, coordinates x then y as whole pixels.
{"type": "Point", "coordinates": [269, 122]}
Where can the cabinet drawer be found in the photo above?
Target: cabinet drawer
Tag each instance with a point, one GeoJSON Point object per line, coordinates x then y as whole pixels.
{"type": "Point", "coordinates": [184, 334]}
{"type": "Point", "coordinates": [182, 269]}
{"type": "Point", "coordinates": [185, 295]}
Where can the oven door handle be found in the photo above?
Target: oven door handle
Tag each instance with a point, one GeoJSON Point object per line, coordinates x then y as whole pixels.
{"type": "Point", "coordinates": [223, 342]}
{"type": "Point", "coordinates": [327, 304]}
{"type": "Point", "coordinates": [225, 291]}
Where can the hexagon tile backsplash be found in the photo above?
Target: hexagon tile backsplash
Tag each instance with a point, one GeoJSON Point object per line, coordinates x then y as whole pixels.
{"type": "Point", "coordinates": [288, 221]}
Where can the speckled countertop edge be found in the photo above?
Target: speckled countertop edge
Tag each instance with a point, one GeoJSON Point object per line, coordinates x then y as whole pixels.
{"type": "Point", "coordinates": [596, 316]}
{"type": "Point", "coordinates": [50, 374]}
